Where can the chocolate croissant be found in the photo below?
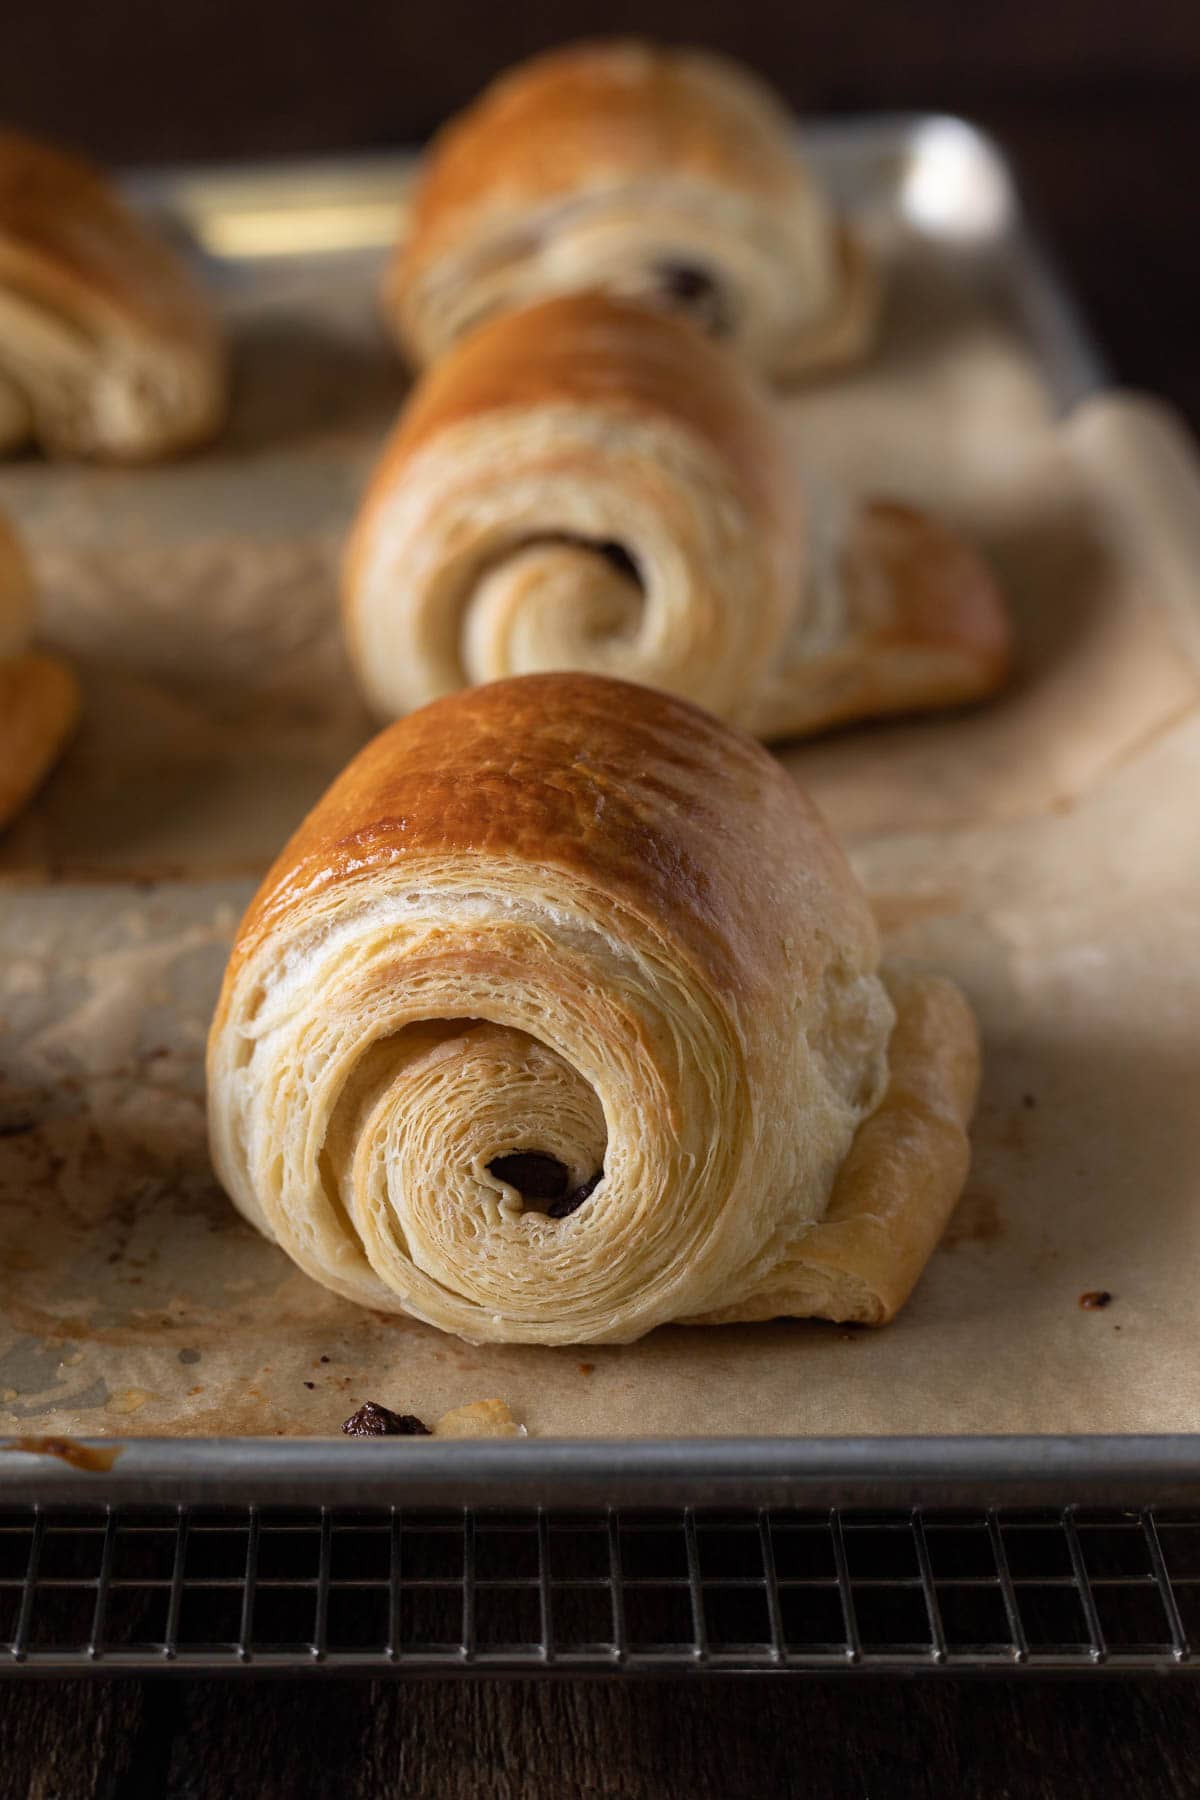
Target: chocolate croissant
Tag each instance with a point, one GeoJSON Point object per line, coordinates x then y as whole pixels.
{"type": "Point", "coordinates": [39, 696]}
{"type": "Point", "coordinates": [588, 485]}
{"type": "Point", "coordinates": [107, 347]}
{"type": "Point", "coordinates": [669, 177]}
{"type": "Point", "coordinates": [561, 1016]}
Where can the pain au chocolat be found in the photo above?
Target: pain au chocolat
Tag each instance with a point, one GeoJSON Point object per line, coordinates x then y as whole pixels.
{"type": "Point", "coordinates": [108, 349]}
{"type": "Point", "coordinates": [668, 177]}
{"type": "Point", "coordinates": [562, 1016]}
{"type": "Point", "coordinates": [588, 485]}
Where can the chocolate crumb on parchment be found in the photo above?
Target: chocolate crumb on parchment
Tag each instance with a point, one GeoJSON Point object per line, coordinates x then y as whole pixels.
{"type": "Point", "coordinates": [1095, 1299]}
{"type": "Point", "coordinates": [373, 1420]}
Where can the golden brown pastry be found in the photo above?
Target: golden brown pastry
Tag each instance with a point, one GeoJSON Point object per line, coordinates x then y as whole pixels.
{"type": "Point", "coordinates": [479, 1419]}
{"type": "Point", "coordinates": [588, 485]}
{"type": "Point", "coordinates": [107, 347]}
{"type": "Point", "coordinates": [670, 177]}
{"type": "Point", "coordinates": [561, 1016]}
{"type": "Point", "coordinates": [39, 696]}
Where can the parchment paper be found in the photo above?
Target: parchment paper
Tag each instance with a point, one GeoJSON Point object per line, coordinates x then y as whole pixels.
{"type": "Point", "coordinates": [1045, 850]}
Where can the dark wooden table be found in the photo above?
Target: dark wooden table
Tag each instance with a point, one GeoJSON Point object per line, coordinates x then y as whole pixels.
{"type": "Point", "coordinates": [1099, 106]}
{"type": "Point", "coordinates": [739, 1739]}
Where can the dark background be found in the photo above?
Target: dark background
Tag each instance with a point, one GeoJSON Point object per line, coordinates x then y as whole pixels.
{"type": "Point", "coordinates": [1097, 102]}
{"type": "Point", "coordinates": [1098, 106]}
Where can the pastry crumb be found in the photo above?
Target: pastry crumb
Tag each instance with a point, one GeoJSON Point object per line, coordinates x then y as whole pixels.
{"type": "Point", "coordinates": [481, 1418]}
{"type": "Point", "coordinates": [129, 1400]}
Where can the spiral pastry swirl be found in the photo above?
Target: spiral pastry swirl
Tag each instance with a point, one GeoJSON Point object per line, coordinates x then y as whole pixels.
{"type": "Point", "coordinates": [587, 485]}
{"type": "Point", "coordinates": [561, 1017]}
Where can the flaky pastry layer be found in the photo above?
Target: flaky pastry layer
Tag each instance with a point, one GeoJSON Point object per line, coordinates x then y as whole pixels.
{"type": "Point", "coordinates": [107, 347]}
{"type": "Point", "coordinates": [668, 177]}
{"type": "Point", "coordinates": [568, 919]}
{"type": "Point", "coordinates": [587, 485]}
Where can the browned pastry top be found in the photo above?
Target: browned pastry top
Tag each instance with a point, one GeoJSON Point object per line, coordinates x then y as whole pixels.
{"type": "Point", "coordinates": [688, 823]}
{"type": "Point", "coordinates": [589, 350]}
{"type": "Point", "coordinates": [915, 584]}
{"type": "Point", "coordinates": [61, 215]}
{"type": "Point", "coordinates": [569, 118]}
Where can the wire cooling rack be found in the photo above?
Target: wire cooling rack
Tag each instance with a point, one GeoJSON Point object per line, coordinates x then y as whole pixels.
{"type": "Point", "coordinates": [534, 1592]}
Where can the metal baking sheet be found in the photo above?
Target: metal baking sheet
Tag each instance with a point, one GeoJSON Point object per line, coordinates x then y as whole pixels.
{"type": "Point", "coordinates": [935, 173]}
{"type": "Point", "coordinates": [272, 240]}
{"type": "Point", "coordinates": [807, 1473]}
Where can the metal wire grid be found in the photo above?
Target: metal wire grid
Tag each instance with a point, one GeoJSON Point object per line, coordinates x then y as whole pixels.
{"type": "Point", "coordinates": [537, 1592]}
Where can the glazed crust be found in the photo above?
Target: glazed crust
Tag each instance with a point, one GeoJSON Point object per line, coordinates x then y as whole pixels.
{"type": "Point", "coordinates": [104, 337]}
{"type": "Point", "coordinates": [548, 438]}
{"type": "Point", "coordinates": [595, 165]}
{"type": "Point", "coordinates": [574, 916]}
{"type": "Point", "coordinates": [921, 624]}
{"type": "Point", "coordinates": [663, 810]}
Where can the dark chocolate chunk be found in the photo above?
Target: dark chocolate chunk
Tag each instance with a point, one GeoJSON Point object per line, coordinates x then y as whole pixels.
{"type": "Point", "coordinates": [613, 553]}
{"type": "Point", "coordinates": [695, 292]}
{"type": "Point", "coordinates": [562, 1209]}
{"type": "Point", "coordinates": [373, 1420]}
{"type": "Point", "coordinates": [535, 1175]}
{"type": "Point", "coordinates": [16, 1127]}
{"type": "Point", "coordinates": [619, 557]}
{"type": "Point", "coordinates": [684, 281]}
